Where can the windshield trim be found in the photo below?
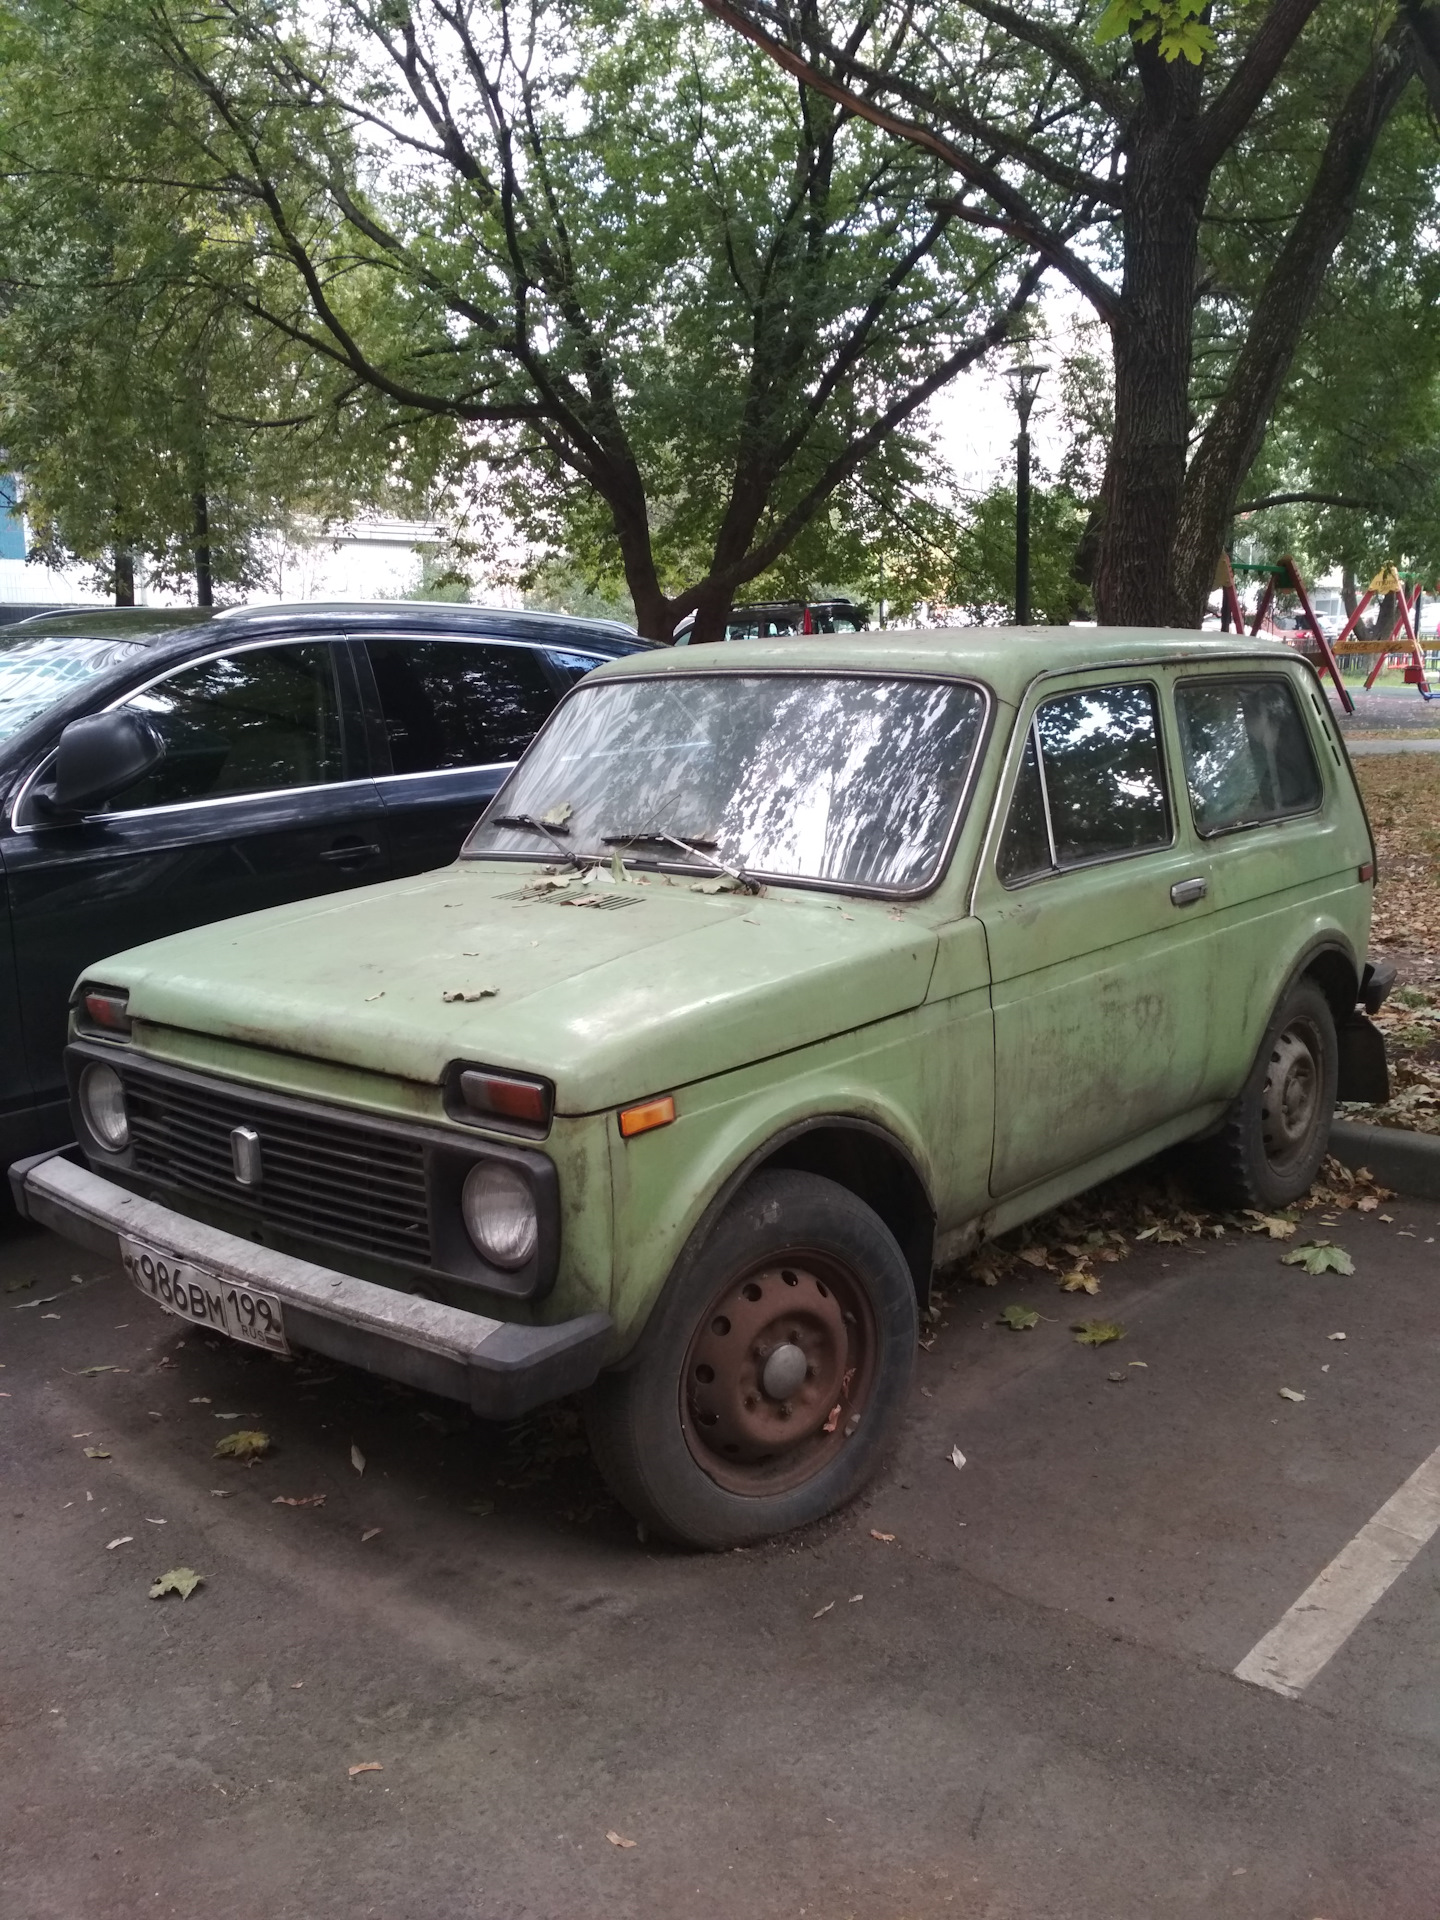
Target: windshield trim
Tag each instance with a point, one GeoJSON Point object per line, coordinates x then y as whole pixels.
{"type": "Point", "coordinates": [853, 889]}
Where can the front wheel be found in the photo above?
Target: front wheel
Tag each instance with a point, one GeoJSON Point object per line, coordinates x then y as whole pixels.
{"type": "Point", "coordinates": [1271, 1143]}
{"type": "Point", "coordinates": [776, 1376]}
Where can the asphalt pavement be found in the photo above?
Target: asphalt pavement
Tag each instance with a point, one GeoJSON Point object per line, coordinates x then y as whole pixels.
{"type": "Point", "coordinates": [1023, 1706]}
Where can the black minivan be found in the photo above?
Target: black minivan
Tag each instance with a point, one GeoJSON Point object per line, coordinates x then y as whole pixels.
{"type": "Point", "coordinates": [162, 769]}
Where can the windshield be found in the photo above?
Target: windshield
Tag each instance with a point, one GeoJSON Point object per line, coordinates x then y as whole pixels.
{"type": "Point", "coordinates": [846, 778]}
{"type": "Point", "coordinates": [36, 672]}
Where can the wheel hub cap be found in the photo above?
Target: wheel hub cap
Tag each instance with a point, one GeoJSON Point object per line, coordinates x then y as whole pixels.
{"type": "Point", "coordinates": [1292, 1092]}
{"type": "Point", "coordinates": [784, 1370]}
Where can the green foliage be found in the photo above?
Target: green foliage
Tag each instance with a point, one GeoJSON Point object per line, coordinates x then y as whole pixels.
{"type": "Point", "coordinates": [1178, 27]}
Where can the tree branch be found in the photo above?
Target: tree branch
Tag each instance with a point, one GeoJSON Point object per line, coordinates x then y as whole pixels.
{"type": "Point", "coordinates": [1227, 116]}
{"type": "Point", "coordinates": [1308, 499]}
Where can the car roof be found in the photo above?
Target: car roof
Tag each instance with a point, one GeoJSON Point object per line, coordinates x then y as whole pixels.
{"type": "Point", "coordinates": [1007, 659]}
{"type": "Point", "coordinates": [147, 625]}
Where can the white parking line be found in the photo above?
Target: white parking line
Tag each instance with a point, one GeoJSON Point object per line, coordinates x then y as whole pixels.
{"type": "Point", "coordinates": [1338, 1599]}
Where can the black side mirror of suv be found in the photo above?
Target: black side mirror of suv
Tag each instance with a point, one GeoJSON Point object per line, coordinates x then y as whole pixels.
{"type": "Point", "coordinates": [97, 758]}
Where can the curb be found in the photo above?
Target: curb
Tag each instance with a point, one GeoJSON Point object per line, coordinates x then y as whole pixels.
{"type": "Point", "coordinates": [1358, 747]}
{"type": "Point", "coordinates": [1409, 1162]}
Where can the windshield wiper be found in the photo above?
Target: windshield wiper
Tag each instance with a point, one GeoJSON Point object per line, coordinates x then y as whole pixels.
{"type": "Point", "coordinates": [552, 834]}
{"type": "Point", "coordinates": [700, 849]}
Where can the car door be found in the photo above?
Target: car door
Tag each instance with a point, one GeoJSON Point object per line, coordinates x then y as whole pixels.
{"type": "Point", "coordinates": [16, 1096]}
{"type": "Point", "coordinates": [1094, 909]}
{"type": "Point", "coordinates": [262, 796]}
{"type": "Point", "coordinates": [456, 715]}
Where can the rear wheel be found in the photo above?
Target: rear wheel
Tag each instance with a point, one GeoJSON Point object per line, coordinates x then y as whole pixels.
{"type": "Point", "coordinates": [777, 1373]}
{"type": "Point", "coordinates": [1270, 1146]}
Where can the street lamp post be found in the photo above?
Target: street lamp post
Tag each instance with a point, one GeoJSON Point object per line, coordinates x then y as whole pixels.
{"type": "Point", "coordinates": [1024, 384]}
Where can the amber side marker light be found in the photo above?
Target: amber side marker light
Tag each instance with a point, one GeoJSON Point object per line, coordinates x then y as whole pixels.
{"type": "Point", "coordinates": [649, 1114]}
{"type": "Point", "coordinates": [1367, 871]}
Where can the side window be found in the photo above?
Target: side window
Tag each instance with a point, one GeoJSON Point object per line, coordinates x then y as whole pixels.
{"type": "Point", "coordinates": [1247, 754]}
{"type": "Point", "coordinates": [571, 666]}
{"type": "Point", "coordinates": [458, 703]}
{"type": "Point", "coordinates": [251, 722]}
{"type": "Point", "coordinates": [1091, 784]}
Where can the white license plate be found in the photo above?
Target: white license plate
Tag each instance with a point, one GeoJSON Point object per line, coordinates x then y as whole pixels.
{"type": "Point", "coordinates": [193, 1294]}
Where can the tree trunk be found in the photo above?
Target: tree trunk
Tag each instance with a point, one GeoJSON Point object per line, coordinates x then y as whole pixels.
{"type": "Point", "coordinates": [124, 577]}
{"type": "Point", "coordinates": [1349, 593]}
{"type": "Point", "coordinates": [204, 581]}
{"type": "Point", "coordinates": [1151, 343]}
{"type": "Point", "coordinates": [1237, 427]}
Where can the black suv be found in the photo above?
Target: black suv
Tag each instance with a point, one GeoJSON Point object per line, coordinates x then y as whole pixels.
{"type": "Point", "coordinates": [161, 769]}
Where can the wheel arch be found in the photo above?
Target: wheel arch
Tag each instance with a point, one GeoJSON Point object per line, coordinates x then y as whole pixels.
{"type": "Point", "coordinates": [1333, 969]}
{"type": "Point", "coordinates": [857, 1154]}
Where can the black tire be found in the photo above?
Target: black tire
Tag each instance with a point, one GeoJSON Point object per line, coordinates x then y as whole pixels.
{"type": "Point", "coordinates": [1271, 1143]}
{"type": "Point", "coordinates": [693, 1440]}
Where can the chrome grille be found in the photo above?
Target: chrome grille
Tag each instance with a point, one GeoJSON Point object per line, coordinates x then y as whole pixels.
{"type": "Point", "coordinates": [329, 1179]}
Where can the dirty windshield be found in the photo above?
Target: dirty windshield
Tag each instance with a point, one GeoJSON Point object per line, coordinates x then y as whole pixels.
{"type": "Point", "coordinates": [845, 778]}
{"type": "Point", "coordinates": [36, 672]}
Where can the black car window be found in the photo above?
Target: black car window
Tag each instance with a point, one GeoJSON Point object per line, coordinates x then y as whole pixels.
{"type": "Point", "coordinates": [1247, 755]}
{"type": "Point", "coordinates": [257, 721]}
{"type": "Point", "coordinates": [458, 703]}
{"type": "Point", "coordinates": [572, 666]}
{"type": "Point", "coordinates": [1094, 773]}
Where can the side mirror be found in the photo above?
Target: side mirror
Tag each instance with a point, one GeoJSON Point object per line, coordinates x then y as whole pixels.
{"type": "Point", "coordinates": [99, 757]}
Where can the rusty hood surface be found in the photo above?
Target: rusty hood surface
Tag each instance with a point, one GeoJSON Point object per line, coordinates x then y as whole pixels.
{"type": "Point", "coordinates": [611, 1001]}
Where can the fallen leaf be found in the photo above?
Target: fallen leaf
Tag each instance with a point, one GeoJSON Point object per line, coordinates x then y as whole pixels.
{"type": "Point", "coordinates": [151, 1521]}
{"type": "Point", "coordinates": [1319, 1256]}
{"type": "Point", "coordinates": [181, 1580]}
{"type": "Point", "coordinates": [1098, 1333]}
{"type": "Point", "coordinates": [199, 1399]}
{"type": "Point", "coordinates": [856, 1596]}
{"type": "Point", "coordinates": [222, 1493]}
{"type": "Point", "coordinates": [1289, 1393]}
{"type": "Point", "coordinates": [1335, 1336]}
{"type": "Point", "coordinates": [616, 1840]}
{"type": "Point", "coordinates": [298, 1500]}
{"type": "Point", "coordinates": [123, 1541]}
{"type": "Point", "coordinates": [243, 1444]}
{"type": "Point", "coordinates": [85, 1372]}
{"type": "Point", "coordinates": [829, 1604]}
{"type": "Point", "coordinates": [374, 996]}
{"type": "Point", "coordinates": [1367, 1203]}
{"type": "Point", "coordinates": [369, 1534]}
{"type": "Point", "coordinates": [1079, 1282]}
{"type": "Point", "coordinates": [481, 1507]}
{"type": "Point", "coordinates": [1273, 1224]}
{"type": "Point", "coordinates": [365, 1766]}
{"type": "Point", "coordinates": [875, 1534]}
{"type": "Point", "coordinates": [44, 1301]}
{"type": "Point", "coordinates": [20, 1286]}
{"type": "Point", "coordinates": [1139, 1363]}
{"type": "Point", "coordinates": [957, 1458]}
{"type": "Point", "coordinates": [1118, 1379]}
{"type": "Point", "coordinates": [1035, 1256]}
{"type": "Point", "coordinates": [832, 1419]}
{"type": "Point", "coordinates": [357, 1458]}
{"type": "Point", "coordinates": [96, 1453]}
{"type": "Point", "coordinates": [470, 993]}
{"type": "Point", "coordinates": [708, 886]}
{"type": "Point", "coordinates": [1019, 1319]}
{"type": "Point", "coordinates": [557, 816]}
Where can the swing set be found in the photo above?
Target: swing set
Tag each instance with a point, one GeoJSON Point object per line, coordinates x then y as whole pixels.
{"type": "Point", "coordinates": [1284, 572]}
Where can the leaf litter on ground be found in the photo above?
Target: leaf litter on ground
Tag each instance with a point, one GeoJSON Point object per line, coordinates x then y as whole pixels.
{"type": "Point", "coordinates": [244, 1444]}
{"type": "Point", "coordinates": [1319, 1256]}
{"type": "Point", "coordinates": [1019, 1319]}
{"type": "Point", "coordinates": [1098, 1333]}
{"type": "Point", "coordinates": [181, 1580]}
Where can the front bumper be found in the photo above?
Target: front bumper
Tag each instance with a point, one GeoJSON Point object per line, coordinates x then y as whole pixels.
{"type": "Point", "coordinates": [497, 1369]}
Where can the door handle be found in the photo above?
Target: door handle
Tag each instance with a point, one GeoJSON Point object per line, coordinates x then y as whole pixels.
{"type": "Point", "coordinates": [351, 853]}
{"type": "Point", "coordinates": [1185, 893]}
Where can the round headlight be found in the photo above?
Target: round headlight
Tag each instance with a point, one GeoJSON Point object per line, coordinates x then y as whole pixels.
{"type": "Point", "coordinates": [102, 1099]}
{"type": "Point", "coordinates": [499, 1210]}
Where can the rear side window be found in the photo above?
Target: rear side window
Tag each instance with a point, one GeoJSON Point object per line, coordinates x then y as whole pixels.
{"type": "Point", "coordinates": [1091, 784]}
{"type": "Point", "coordinates": [260, 721]}
{"type": "Point", "coordinates": [572, 666]}
{"type": "Point", "coordinates": [458, 703]}
{"type": "Point", "coordinates": [1247, 755]}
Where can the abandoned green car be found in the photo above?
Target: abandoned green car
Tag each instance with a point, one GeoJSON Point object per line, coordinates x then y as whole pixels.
{"type": "Point", "coordinates": [767, 984]}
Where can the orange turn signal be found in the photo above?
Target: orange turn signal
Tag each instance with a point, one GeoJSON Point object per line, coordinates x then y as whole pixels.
{"type": "Point", "coordinates": [650, 1113]}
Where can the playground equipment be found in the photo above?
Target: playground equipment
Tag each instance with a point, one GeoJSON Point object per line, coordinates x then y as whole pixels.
{"type": "Point", "coordinates": [1283, 572]}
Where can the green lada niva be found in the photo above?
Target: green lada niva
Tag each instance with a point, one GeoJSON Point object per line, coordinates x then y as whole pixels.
{"type": "Point", "coordinates": [775, 977]}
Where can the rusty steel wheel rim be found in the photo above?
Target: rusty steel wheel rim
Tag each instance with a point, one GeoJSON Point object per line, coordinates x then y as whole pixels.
{"type": "Point", "coordinates": [779, 1373]}
{"type": "Point", "coordinates": [1290, 1104]}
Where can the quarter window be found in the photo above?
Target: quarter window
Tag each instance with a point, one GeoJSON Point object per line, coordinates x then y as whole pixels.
{"type": "Point", "coordinates": [571, 666]}
{"type": "Point", "coordinates": [1247, 755]}
{"type": "Point", "coordinates": [1091, 784]}
{"type": "Point", "coordinates": [455, 703]}
{"type": "Point", "coordinates": [252, 722]}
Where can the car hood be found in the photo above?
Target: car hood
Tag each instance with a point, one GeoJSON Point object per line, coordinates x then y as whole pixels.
{"type": "Point", "coordinates": [612, 989]}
